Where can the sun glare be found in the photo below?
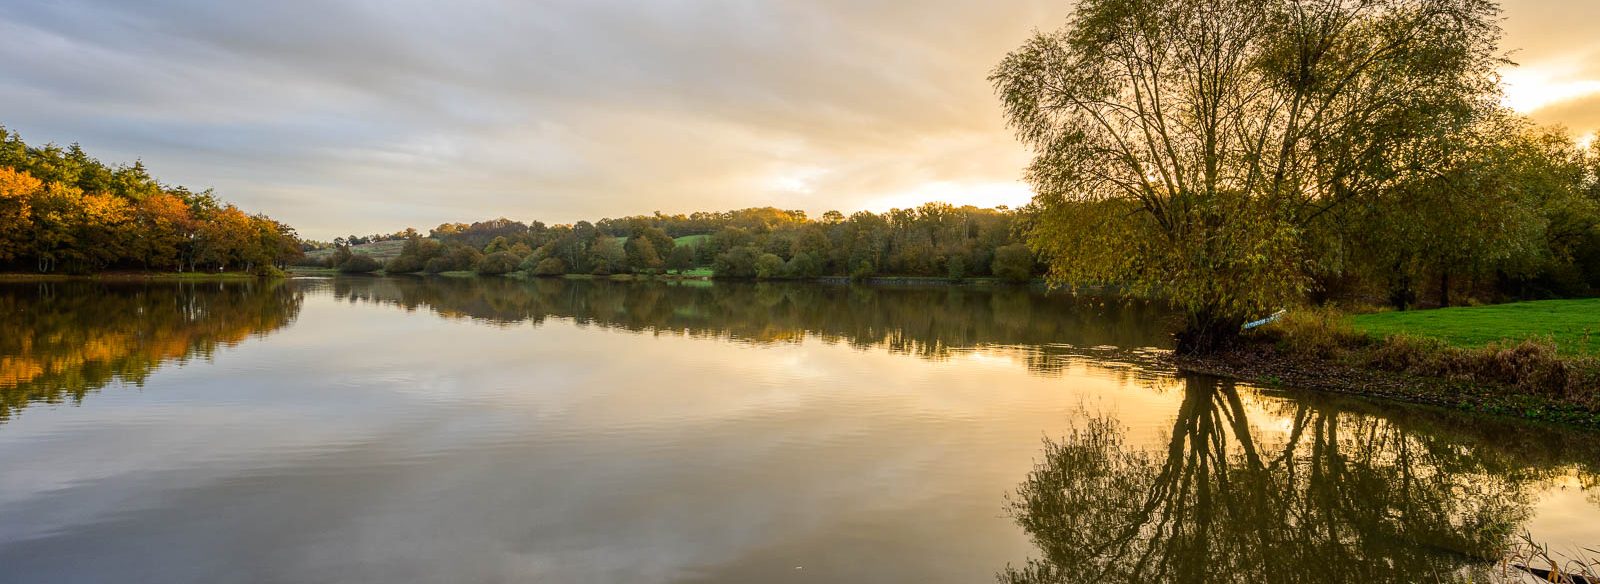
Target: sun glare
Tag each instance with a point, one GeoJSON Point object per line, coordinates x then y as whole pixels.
{"type": "Point", "coordinates": [1528, 90]}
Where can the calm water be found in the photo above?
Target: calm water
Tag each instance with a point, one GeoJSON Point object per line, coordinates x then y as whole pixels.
{"type": "Point", "coordinates": [409, 430]}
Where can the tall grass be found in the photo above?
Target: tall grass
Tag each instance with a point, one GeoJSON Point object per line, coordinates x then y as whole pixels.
{"type": "Point", "coordinates": [1527, 558]}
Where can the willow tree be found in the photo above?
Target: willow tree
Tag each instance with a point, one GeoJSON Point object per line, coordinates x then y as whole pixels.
{"type": "Point", "coordinates": [1184, 147]}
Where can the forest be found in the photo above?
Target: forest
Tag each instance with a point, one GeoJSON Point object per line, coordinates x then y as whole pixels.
{"type": "Point", "coordinates": [933, 240]}
{"type": "Point", "coordinates": [63, 211]}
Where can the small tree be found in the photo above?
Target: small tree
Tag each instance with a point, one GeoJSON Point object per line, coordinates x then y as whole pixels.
{"type": "Point", "coordinates": [550, 267]}
{"type": "Point", "coordinates": [607, 256]}
{"type": "Point", "coordinates": [681, 258]}
{"type": "Point", "coordinates": [642, 254]}
{"type": "Point", "coordinates": [769, 266]}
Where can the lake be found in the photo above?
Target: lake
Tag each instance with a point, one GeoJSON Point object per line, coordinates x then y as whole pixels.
{"type": "Point", "coordinates": [461, 430]}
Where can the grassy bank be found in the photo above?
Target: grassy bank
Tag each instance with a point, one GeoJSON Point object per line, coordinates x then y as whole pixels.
{"type": "Point", "coordinates": [1568, 324]}
{"type": "Point", "coordinates": [1506, 359]}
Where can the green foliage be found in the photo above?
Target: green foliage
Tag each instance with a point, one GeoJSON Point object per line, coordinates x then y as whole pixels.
{"type": "Point", "coordinates": [681, 258]}
{"type": "Point", "coordinates": [738, 263]}
{"type": "Point", "coordinates": [642, 251]}
{"type": "Point", "coordinates": [607, 256]}
{"type": "Point", "coordinates": [803, 265]}
{"type": "Point", "coordinates": [1207, 180]}
{"type": "Point", "coordinates": [497, 263]}
{"type": "Point", "coordinates": [437, 265]}
{"type": "Point", "coordinates": [1013, 263]}
{"type": "Point", "coordinates": [549, 267]}
{"type": "Point", "coordinates": [902, 242]}
{"type": "Point", "coordinates": [769, 266]}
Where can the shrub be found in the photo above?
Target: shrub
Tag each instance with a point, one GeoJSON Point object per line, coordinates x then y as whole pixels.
{"type": "Point", "coordinates": [360, 264]}
{"type": "Point", "coordinates": [769, 266]}
{"type": "Point", "coordinates": [405, 265]}
{"type": "Point", "coordinates": [497, 263]}
{"type": "Point", "coordinates": [739, 262]}
{"type": "Point", "coordinates": [437, 265]}
{"type": "Point", "coordinates": [1319, 333]}
{"type": "Point", "coordinates": [550, 267]}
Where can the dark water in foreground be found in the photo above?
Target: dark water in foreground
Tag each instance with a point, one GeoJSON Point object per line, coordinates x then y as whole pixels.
{"type": "Point", "coordinates": [407, 430]}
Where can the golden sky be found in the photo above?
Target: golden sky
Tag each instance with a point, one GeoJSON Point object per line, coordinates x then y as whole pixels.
{"type": "Point", "coordinates": [363, 116]}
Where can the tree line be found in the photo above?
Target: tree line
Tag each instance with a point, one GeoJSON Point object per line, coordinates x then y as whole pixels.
{"type": "Point", "coordinates": [932, 240]}
{"type": "Point", "coordinates": [64, 211]}
{"type": "Point", "coordinates": [1241, 156]}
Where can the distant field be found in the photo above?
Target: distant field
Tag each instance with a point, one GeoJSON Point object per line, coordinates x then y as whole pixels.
{"type": "Point", "coordinates": [691, 239]}
{"type": "Point", "coordinates": [696, 272]}
{"type": "Point", "coordinates": [1570, 322]}
{"type": "Point", "coordinates": [382, 251]}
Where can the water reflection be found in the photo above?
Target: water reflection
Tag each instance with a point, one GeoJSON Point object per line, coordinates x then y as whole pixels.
{"type": "Point", "coordinates": [933, 322]}
{"type": "Point", "coordinates": [62, 340]}
{"type": "Point", "coordinates": [1330, 490]}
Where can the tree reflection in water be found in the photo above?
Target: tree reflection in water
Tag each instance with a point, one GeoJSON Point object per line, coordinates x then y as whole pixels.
{"type": "Point", "coordinates": [1045, 331]}
{"type": "Point", "coordinates": [1338, 497]}
{"type": "Point", "coordinates": [62, 340]}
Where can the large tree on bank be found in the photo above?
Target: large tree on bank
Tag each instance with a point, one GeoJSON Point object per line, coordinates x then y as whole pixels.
{"type": "Point", "coordinates": [1190, 147]}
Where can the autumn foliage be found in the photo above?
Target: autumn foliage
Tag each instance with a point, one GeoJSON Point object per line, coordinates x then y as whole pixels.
{"type": "Point", "coordinates": [62, 211]}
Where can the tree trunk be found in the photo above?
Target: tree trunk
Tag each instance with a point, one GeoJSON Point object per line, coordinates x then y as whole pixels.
{"type": "Point", "coordinates": [1444, 290]}
{"type": "Point", "coordinates": [1204, 332]}
{"type": "Point", "coordinates": [1400, 295]}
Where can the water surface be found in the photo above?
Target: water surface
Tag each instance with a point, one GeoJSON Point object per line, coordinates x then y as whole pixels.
{"type": "Point", "coordinates": [441, 430]}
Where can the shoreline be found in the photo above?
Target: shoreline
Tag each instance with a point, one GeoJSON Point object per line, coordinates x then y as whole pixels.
{"type": "Point", "coordinates": [1268, 367]}
{"type": "Point", "coordinates": [832, 280]}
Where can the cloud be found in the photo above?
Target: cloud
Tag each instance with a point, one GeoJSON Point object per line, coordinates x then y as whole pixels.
{"type": "Point", "coordinates": [360, 115]}
{"type": "Point", "coordinates": [1580, 116]}
{"type": "Point", "coordinates": [365, 116]}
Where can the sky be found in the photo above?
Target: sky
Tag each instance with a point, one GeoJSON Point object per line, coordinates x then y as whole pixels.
{"type": "Point", "coordinates": [365, 116]}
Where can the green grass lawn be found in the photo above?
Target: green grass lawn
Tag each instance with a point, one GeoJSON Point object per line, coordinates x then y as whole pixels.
{"type": "Point", "coordinates": [1569, 322]}
{"type": "Point", "coordinates": [694, 272]}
